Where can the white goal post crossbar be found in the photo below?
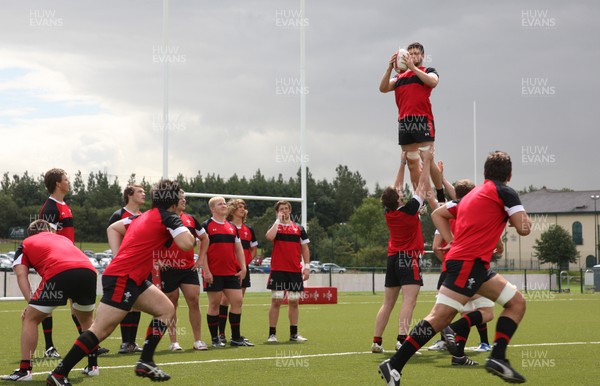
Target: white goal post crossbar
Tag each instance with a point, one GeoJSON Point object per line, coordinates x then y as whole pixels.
{"type": "Point", "coordinates": [249, 197]}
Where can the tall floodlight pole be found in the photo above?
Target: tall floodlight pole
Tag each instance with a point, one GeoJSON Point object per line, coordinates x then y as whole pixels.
{"type": "Point", "coordinates": [165, 119]}
{"type": "Point", "coordinates": [474, 142]}
{"type": "Point", "coordinates": [303, 114]}
{"type": "Point", "coordinates": [595, 197]}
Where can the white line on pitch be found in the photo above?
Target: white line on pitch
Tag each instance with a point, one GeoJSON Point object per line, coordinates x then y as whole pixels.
{"type": "Point", "coordinates": [312, 356]}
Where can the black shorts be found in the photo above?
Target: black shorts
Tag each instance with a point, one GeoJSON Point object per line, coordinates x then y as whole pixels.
{"type": "Point", "coordinates": [121, 291]}
{"type": "Point", "coordinates": [285, 281]}
{"type": "Point", "coordinates": [441, 279]}
{"type": "Point", "coordinates": [78, 284]}
{"type": "Point", "coordinates": [403, 269]}
{"type": "Point", "coordinates": [172, 278]}
{"type": "Point", "coordinates": [246, 282]}
{"type": "Point", "coordinates": [222, 282]}
{"type": "Point", "coordinates": [415, 129]}
{"type": "Point", "coordinates": [466, 276]}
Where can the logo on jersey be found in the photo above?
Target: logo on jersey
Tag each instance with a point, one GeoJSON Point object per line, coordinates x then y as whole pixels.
{"type": "Point", "coordinates": [126, 296]}
{"type": "Point", "coordinates": [471, 282]}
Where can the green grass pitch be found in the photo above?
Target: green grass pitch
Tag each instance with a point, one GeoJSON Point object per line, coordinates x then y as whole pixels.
{"type": "Point", "coordinates": [557, 344]}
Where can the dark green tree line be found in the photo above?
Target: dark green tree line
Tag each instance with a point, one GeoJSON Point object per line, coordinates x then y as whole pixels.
{"type": "Point", "coordinates": [345, 223]}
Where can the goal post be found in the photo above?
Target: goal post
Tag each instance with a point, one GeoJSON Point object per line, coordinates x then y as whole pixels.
{"type": "Point", "coordinates": [251, 197]}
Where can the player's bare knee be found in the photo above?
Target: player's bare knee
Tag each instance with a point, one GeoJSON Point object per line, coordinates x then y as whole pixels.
{"type": "Point", "coordinates": [487, 314]}
{"type": "Point", "coordinates": [517, 303]}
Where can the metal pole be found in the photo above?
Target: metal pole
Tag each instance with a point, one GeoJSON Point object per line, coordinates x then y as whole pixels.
{"type": "Point", "coordinates": [595, 197]}
{"type": "Point", "coordinates": [373, 281]}
{"type": "Point", "coordinates": [165, 91]}
{"type": "Point", "coordinates": [303, 114]}
{"type": "Point", "coordinates": [474, 142]}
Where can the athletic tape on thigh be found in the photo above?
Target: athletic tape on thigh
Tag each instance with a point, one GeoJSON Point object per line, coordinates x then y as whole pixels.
{"type": "Point", "coordinates": [294, 295]}
{"type": "Point", "coordinates": [277, 294]}
{"type": "Point", "coordinates": [81, 308]}
{"type": "Point", "coordinates": [412, 155]}
{"type": "Point", "coordinates": [482, 302]}
{"type": "Point", "coordinates": [446, 300]}
{"type": "Point", "coordinates": [507, 293]}
{"type": "Point", "coordinates": [425, 148]}
{"type": "Point", "coordinates": [44, 309]}
{"type": "Point", "coordinates": [469, 307]}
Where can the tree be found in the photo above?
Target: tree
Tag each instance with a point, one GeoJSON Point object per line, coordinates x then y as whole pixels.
{"type": "Point", "coordinates": [556, 246]}
{"type": "Point", "coordinates": [368, 223]}
{"type": "Point", "coordinates": [78, 193]}
{"type": "Point", "coordinates": [350, 189]}
{"type": "Point", "coordinates": [8, 214]}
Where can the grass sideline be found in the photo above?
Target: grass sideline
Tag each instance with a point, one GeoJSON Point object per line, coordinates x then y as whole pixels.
{"type": "Point", "coordinates": [557, 344]}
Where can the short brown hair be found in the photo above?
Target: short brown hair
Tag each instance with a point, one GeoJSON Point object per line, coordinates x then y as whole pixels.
{"type": "Point", "coordinates": [389, 198]}
{"type": "Point", "coordinates": [462, 187]}
{"type": "Point", "coordinates": [282, 202]}
{"type": "Point", "coordinates": [498, 166]}
{"type": "Point", "coordinates": [416, 45]}
{"type": "Point", "coordinates": [165, 194]}
{"type": "Point", "coordinates": [129, 190]}
{"type": "Point", "coordinates": [53, 177]}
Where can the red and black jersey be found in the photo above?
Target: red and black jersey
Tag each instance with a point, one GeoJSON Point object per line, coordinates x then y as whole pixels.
{"type": "Point", "coordinates": [120, 214]}
{"type": "Point", "coordinates": [59, 215]}
{"type": "Point", "coordinates": [248, 239]}
{"type": "Point", "coordinates": [176, 257]}
{"type": "Point", "coordinates": [287, 251]}
{"type": "Point", "coordinates": [481, 217]}
{"type": "Point", "coordinates": [221, 257]}
{"type": "Point", "coordinates": [50, 254]}
{"type": "Point", "coordinates": [146, 235]}
{"type": "Point", "coordinates": [412, 99]}
{"type": "Point", "coordinates": [404, 225]}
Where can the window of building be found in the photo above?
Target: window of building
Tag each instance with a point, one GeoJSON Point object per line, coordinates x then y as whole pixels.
{"type": "Point", "coordinates": [577, 233]}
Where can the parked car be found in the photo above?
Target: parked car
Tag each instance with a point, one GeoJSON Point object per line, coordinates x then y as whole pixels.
{"type": "Point", "coordinates": [263, 268]}
{"type": "Point", "coordinates": [100, 256]}
{"type": "Point", "coordinates": [105, 261]}
{"type": "Point", "coordinates": [5, 263]}
{"type": "Point", "coordinates": [327, 267]}
{"type": "Point", "coordinates": [11, 255]}
{"type": "Point", "coordinates": [96, 264]}
{"type": "Point", "coordinates": [315, 267]}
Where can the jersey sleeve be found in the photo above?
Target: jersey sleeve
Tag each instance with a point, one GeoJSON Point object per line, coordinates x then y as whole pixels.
{"type": "Point", "coordinates": [452, 207]}
{"type": "Point", "coordinates": [303, 236]}
{"type": "Point", "coordinates": [253, 241]}
{"type": "Point", "coordinates": [116, 216]}
{"type": "Point", "coordinates": [50, 213]}
{"type": "Point", "coordinates": [511, 200]}
{"type": "Point", "coordinates": [20, 258]}
{"type": "Point", "coordinates": [237, 233]}
{"type": "Point", "coordinates": [412, 206]}
{"type": "Point", "coordinates": [198, 227]}
{"type": "Point", "coordinates": [431, 70]}
{"type": "Point", "coordinates": [173, 223]}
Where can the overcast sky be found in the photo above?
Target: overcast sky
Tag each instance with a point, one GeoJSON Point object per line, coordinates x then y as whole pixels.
{"type": "Point", "coordinates": [81, 87]}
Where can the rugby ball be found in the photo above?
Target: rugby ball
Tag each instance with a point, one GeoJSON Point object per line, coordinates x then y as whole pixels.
{"type": "Point", "coordinates": [400, 65]}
